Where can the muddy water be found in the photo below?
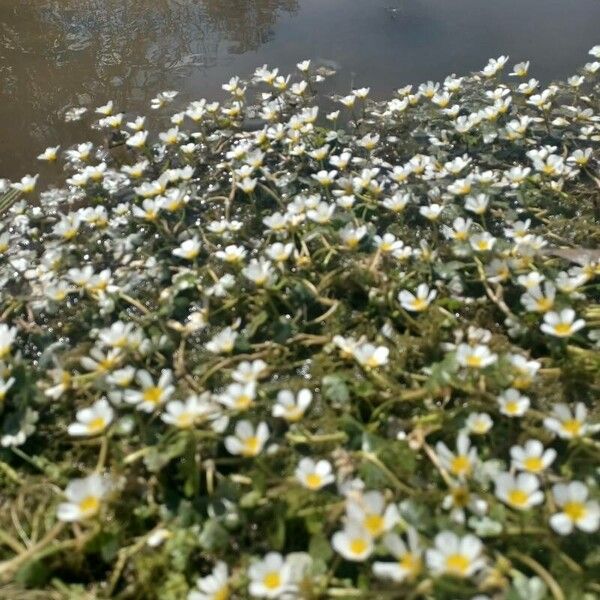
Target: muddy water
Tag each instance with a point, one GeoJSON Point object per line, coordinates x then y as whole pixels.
{"type": "Point", "coordinates": [60, 53]}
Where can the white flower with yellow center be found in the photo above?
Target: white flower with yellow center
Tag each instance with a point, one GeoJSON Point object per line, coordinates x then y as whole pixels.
{"type": "Point", "coordinates": [231, 254]}
{"type": "Point", "coordinates": [260, 272]}
{"type": "Point", "coordinates": [460, 463]}
{"type": "Point", "coordinates": [27, 184]}
{"type": "Point", "coordinates": [520, 492]}
{"type": "Point", "coordinates": [137, 140]}
{"type": "Point", "coordinates": [214, 586]}
{"type": "Point", "coordinates": [314, 475]}
{"type": "Point", "coordinates": [475, 356]}
{"type": "Point", "coordinates": [409, 561]}
{"type": "Point", "coordinates": [248, 372]}
{"type": "Point", "coordinates": [223, 342]}
{"type": "Point", "coordinates": [576, 511]}
{"type": "Point", "coordinates": [189, 413]}
{"type": "Point", "coordinates": [512, 403]}
{"type": "Point", "coordinates": [351, 236]}
{"type": "Point", "coordinates": [532, 457]}
{"type": "Point", "coordinates": [569, 424]}
{"type": "Point", "coordinates": [7, 338]}
{"type": "Point", "coordinates": [482, 242]}
{"type": "Point", "coordinates": [524, 371]}
{"type": "Point", "coordinates": [479, 423]}
{"type": "Point", "coordinates": [152, 395]}
{"type": "Point", "coordinates": [563, 324]}
{"type": "Point", "coordinates": [371, 356]}
{"type": "Point", "coordinates": [84, 498]}
{"type": "Point", "coordinates": [279, 252]}
{"type": "Point", "coordinates": [372, 513]}
{"type": "Point", "coordinates": [189, 249]}
{"type": "Point", "coordinates": [102, 363]}
{"type": "Point", "coordinates": [417, 302]}
{"type": "Point", "coordinates": [247, 441]}
{"type": "Point", "coordinates": [92, 420]}
{"type": "Point", "coordinates": [456, 556]}
{"type": "Point", "coordinates": [353, 542]}
{"type": "Point", "coordinates": [292, 407]}
{"type": "Point", "coordinates": [270, 577]}
{"type": "Point", "coordinates": [49, 154]}
{"type": "Point", "coordinates": [238, 396]}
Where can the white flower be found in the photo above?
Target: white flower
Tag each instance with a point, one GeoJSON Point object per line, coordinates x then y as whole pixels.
{"type": "Point", "coordinates": [231, 254]}
{"type": "Point", "coordinates": [188, 249]}
{"type": "Point", "coordinates": [152, 395]}
{"type": "Point", "coordinates": [248, 372]}
{"type": "Point", "coordinates": [92, 420]}
{"type": "Point", "coordinates": [189, 413]}
{"type": "Point", "coordinates": [84, 498]}
{"type": "Point", "coordinates": [214, 586]}
{"type": "Point", "coordinates": [408, 562]}
{"type": "Point", "coordinates": [353, 542]}
{"type": "Point", "coordinates": [576, 510]}
{"type": "Point", "coordinates": [279, 252]}
{"type": "Point", "coordinates": [222, 342]}
{"type": "Point", "coordinates": [270, 577]}
{"type": "Point", "coordinates": [370, 511]}
{"type": "Point", "coordinates": [314, 475]}
{"type": "Point", "coordinates": [260, 272]}
{"type": "Point", "coordinates": [536, 300]}
{"type": "Point", "coordinates": [292, 408]}
{"type": "Point", "coordinates": [247, 441]}
{"type": "Point", "coordinates": [479, 423]}
{"type": "Point", "coordinates": [461, 463]}
{"type": "Point", "coordinates": [351, 236]}
{"type": "Point", "coordinates": [369, 355]}
{"type": "Point", "coordinates": [475, 357]}
{"type": "Point", "coordinates": [49, 154]}
{"type": "Point", "coordinates": [7, 338]}
{"type": "Point", "coordinates": [418, 302]}
{"type": "Point", "coordinates": [432, 211]}
{"type": "Point", "coordinates": [27, 184]}
{"type": "Point", "coordinates": [482, 242]}
{"type": "Point", "coordinates": [518, 491]}
{"type": "Point", "coordinates": [456, 556]}
{"type": "Point", "coordinates": [562, 324]}
{"type": "Point", "coordinates": [532, 457]}
{"type": "Point", "coordinates": [567, 424]}
{"type": "Point", "coordinates": [512, 403]}
{"type": "Point", "coordinates": [137, 140]}
{"type": "Point", "coordinates": [238, 396]}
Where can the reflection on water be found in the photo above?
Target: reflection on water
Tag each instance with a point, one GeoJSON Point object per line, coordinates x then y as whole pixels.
{"type": "Point", "coordinates": [60, 53]}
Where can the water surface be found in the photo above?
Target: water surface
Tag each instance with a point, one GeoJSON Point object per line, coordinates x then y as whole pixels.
{"type": "Point", "coordinates": [60, 53]}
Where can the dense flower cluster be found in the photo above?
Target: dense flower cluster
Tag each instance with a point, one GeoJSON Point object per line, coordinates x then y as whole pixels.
{"type": "Point", "coordinates": [262, 355]}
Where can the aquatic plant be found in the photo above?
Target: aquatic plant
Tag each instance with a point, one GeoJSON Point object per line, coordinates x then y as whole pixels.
{"type": "Point", "coordinates": [272, 353]}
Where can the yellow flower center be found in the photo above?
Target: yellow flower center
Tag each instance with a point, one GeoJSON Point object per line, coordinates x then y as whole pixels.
{"type": "Point", "coordinates": [272, 580]}
{"type": "Point", "coordinates": [358, 546]}
{"type": "Point", "coordinates": [243, 401]}
{"type": "Point", "coordinates": [511, 407]}
{"type": "Point", "coordinates": [96, 425]}
{"type": "Point", "coordinates": [89, 505]}
{"type": "Point", "coordinates": [544, 304]}
{"type": "Point", "coordinates": [251, 446]}
{"type": "Point", "coordinates": [457, 564]}
{"type": "Point", "coordinates": [572, 427]}
{"type": "Point", "coordinates": [418, 304]}
{"type": "Point", "coordinates": [562, 329]}
{"type": "Point", "coordinates": [533, 464]}
{"type": "Point", "coordinates": [460, 465]}
{"type": "Point", "coordinates": [410, 563]}
{"type": "Point", "coordinates": [153, 395]}
{"type": "Point", "coordinates": [222, 593]}
{"type": "Point", "coordinates": [374, 524]}
{"type": "Point", "coordinates": [575, 510]}
{"type": "Point", "coordinates": [313, 481]}
{"type": "Point", "coordinates": [517, 498]}
{"type": "Point", "coordinates": [372, 362]}
{"type": "Point", "coordinates": [185, 420]}
{"type": "Point", "coordinates": [293, 414]}
{"type": "Point", "coordinates": [473, 360]}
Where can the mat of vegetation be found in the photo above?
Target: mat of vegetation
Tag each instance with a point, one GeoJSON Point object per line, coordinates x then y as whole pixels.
{"type": "Point", "coordinates": [264, 354]}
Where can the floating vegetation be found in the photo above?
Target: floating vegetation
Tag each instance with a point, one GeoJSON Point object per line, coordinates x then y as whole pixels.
{"type": "Point", "coordinates": [262, 354]}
